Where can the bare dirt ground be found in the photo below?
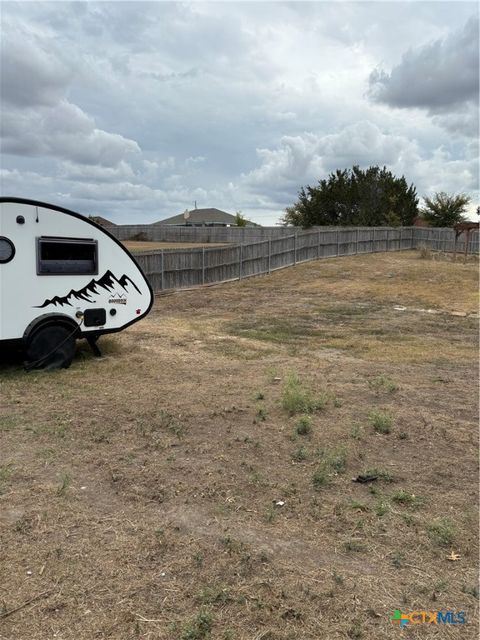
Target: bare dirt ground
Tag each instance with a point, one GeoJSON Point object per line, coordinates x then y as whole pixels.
{"type": "Point", "coordinates": [196, 482]}
{"type": "Point", "coordinates": [134, 246]}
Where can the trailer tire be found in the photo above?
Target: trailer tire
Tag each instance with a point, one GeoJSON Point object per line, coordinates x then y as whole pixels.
{"type": "Point", "coordinates": [50, 347]}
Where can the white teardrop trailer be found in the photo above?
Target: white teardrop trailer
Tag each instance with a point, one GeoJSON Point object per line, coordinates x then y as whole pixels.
{"type": "Point", "coordinates": [63, 277]}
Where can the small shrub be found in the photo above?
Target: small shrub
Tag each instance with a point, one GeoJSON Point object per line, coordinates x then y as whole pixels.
{"type": "Point", "coordinates": [198, 628]}
{"type": "Point", "coordinates": [260, 396]}
{"type": "Point", "coordinates": [5, 474]}
{"type": "Point", "coordinates": [442, 532]}
{"type": "Point", "coordinates": [337, 459]}
{"type": "Point", "coordinates": [359, 506]}
{"type": "Point", "coordinates": [271, 514]}
{"type": "Point", "coordinates": [339, 579]}
{"type": "Point", "coordinates": [300, 454]}
{"type": "Point", "coordinates": [321, 477]}
{"type": "Point", "coordinates": [398, 559]}
{"type": "Point", "coordinates": [157, 421]}
{"type": "Point", "coordinates": [333, 461]}
{"type": "Point", "coordinates": [355, 632]}
{"type": "Point", "coordinates": [440, 585]}
{"type": "Point", "coordinates": [297, 398]}
{"type": "Point", "coordinates": [381, 508]}
{"type": "Point", "coordinates": [383, 383]}
{"type": "Point", "coordinates": [424, 252]}
{"type": "Point", "coordinates": [6, 471]}
{"type": "Point", "coordinates": [261, 414]}
{"type": "Point", "coordinates": [380, 421]}
{"type": "Point", "coordinates": [382, 474]}
{"type": "Point", "coordinates": [356, 431]}
{"type": "Point", "coordinates": [198, 560]}
{"type": "Point", "coordinates": [8, 422]}
{"type": "Point", "coordinates": [213, 595]}
{"type": "Point", "coordinates": [405, 498]}
{"type": "Point", "coordinates": [63, 488]}
{"type": "Point", "coordinates": [471, 591]}
{"type": "Point", "coordinates": [304, 426]}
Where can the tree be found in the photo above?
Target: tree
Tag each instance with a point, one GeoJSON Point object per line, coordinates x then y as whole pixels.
{"type": "Point", "coordinates": [351, 197]}
{"type": "Point", "coordinates": [240, 220]}
{"type": "Point", "coordinates": [444, 210]}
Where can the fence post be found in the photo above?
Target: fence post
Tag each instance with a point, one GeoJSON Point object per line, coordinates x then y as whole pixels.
{"type": "Point", "coordinates": [161, 272]}
{"type": "Point", "coordinates": [240, 257]}
{"type": "Point", "coordinates": [400, 241]}
{"type": "Point", "coordinates": [373, 241]}
{"type": "Point", "coordinates": [338, 243]}
{"type": "Point", "coordinates": [467, 238]}
{"type": "Point", "coordinates": [318, 244]}
{"type": "Point", "coordinates": [388, 238]}
{"type": "Point", "coordinates": [269, 254]}
{"type": "Point", "coordinates": [203, 265]}
{"type": "Point", "coordinates": [295, 248]}
{"type": "Point", "coordinates": [356, 241]}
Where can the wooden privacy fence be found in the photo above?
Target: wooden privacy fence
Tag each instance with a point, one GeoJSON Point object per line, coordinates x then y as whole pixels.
{"type": "Point", "coordinates": [443, 239]}
{"type": "Point", "coordinates": [438, 239]}
{"type": "Point", "coordinates": [172, 233]}
{"type": "Point", "coordinates": [183, 268]}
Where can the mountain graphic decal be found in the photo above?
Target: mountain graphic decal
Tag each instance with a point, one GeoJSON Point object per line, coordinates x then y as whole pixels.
{"type": "Point", "coordinates": [108, 282]}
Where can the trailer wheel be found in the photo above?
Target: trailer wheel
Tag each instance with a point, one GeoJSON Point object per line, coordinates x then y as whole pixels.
{"type": "Point", "coordinates": [50, 347]}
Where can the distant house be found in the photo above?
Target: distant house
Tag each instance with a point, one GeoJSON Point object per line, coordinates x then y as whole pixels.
{"type": "Point", "coordinates": [203, 218]}
{"type": "Point", "coordinates": [420, 222]}
{"type": "Point", "coordinates": [103, 222]}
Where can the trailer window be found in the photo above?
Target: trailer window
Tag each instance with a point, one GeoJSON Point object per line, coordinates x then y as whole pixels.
{"type": "Point", "coordinates": [66, 256]}
{"type": "Point", "coordinates": [7, 250]}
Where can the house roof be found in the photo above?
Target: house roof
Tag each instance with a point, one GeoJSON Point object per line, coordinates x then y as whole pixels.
{"type": "Point", "coordinates": [103, 222]}
{"type": "Point", "coordinates": [202, 216]}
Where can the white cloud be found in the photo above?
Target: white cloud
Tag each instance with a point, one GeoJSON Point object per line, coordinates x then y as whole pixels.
{"type": "Point", "coordinates": [62, 131]}
{"type": "Point", "coordinates": [94, 173]}
{"type": "Point", "coordinates": [37, 117]}
{"type": "Point", "coordinates": [303, 159]}
{"type": "Point", "coordinates": [30, 75]}
{"type": "Point", "coordinates": [440, 76]}
{"type": "Point", "coordinates": [135, 110]}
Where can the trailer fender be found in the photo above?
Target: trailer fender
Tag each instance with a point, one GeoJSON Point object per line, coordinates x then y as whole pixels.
{"type": "Point", "coordinates": [51, 319]}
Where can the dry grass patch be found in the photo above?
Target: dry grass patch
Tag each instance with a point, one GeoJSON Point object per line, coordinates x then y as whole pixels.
{"type": "Point", "coordinates": [196, 482]}
{"type": "Point", "coordinates": [401, 279]}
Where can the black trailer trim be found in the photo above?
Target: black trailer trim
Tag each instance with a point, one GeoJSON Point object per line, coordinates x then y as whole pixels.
{"type": "Point", "coordinates": [53, 207]}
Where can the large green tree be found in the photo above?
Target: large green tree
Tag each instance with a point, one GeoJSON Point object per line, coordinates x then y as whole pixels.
{"type": "Point", "coordinates": [351, 197]}
{"type": "Point", "coordinates": [444, 210]}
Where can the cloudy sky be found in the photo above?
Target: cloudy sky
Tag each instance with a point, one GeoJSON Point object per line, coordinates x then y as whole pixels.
{"type": "Point", "coordinates": [136, 110]}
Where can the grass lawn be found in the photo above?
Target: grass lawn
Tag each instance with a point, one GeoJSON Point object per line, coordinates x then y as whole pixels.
{"type": "Point", "coordinates": [196, 481]}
